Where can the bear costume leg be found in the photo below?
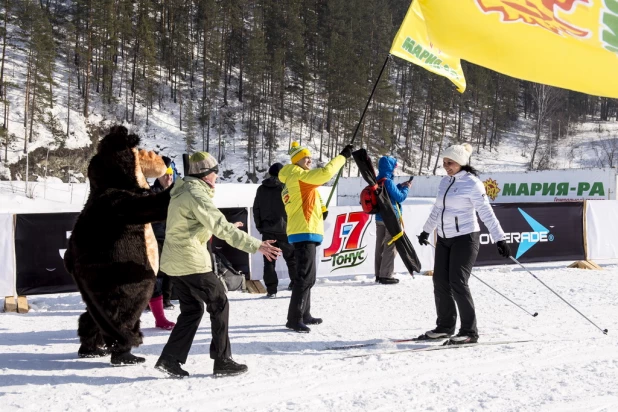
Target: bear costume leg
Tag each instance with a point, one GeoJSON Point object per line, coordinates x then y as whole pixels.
{"type": "Point", "coordinates": [114, 313]}
{"type": "Point", "coordinates": [92, 343]}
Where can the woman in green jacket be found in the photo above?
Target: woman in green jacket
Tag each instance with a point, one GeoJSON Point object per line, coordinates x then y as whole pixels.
{"type": "Point", "coordinates": [192, 220]}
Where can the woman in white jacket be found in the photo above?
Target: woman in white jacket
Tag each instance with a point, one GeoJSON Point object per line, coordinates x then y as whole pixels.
{"type": "Point", "coordinates": [460, 196]}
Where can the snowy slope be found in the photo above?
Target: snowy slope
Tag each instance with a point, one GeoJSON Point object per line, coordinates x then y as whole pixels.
{"type": "Point", "coordinates": [569, 366]}
{"type": "Point", "coordinates": [585, 146]}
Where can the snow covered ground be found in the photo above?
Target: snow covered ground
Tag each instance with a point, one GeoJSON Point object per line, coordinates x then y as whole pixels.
{"type": "Point", "coordinates": [568, 365]}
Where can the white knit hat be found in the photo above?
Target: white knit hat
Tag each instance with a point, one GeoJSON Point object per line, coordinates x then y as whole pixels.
{"type": "Point", "coordinates": [459, 153]}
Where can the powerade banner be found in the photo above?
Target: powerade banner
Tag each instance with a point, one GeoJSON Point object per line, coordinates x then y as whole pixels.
{"type": "Point", "coordinates": [42, 239]}
{"type": "Point", "coordinates": [536, 232]}
{"type": "Point", "coordinates": [40, 243]}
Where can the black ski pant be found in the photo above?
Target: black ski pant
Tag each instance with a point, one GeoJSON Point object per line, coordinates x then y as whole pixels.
{"type": "Point", "coordinates": [270, 275]}
{"type": "Point", "coordinates": [454, 260]}
{"type": "Point", "coordinates": [193, 291]}
{"type": "Point", "coordinates": [300, 302]}
{"type": "Point", "coordinates": [164, 283]}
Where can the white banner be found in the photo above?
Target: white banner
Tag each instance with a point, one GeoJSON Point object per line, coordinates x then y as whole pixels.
{"type": "Point", "coordinates": [348, 247]}
{"type": "Point", "coordinates": [7, 256]}
{"type": "Point", "coordinates": [601, 229]}
{"type": "Point", "coordinates": [511, 187]}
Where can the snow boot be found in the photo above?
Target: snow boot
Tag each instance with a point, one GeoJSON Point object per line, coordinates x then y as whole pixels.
{"type": "Point", "coordinates": [271, 295]}
{"type": "Point", "coordinates": [310, 320]}
{"type": "Point", "coordinates": [462, 339]}
{"type": "Point", "coordinates": [168, 305]}
{"type": "Point", "coordinates": [126, 358]}
{"type": "Point", "coordinates": [171, 366]}
{"type": "Point", "coordinates": [92, 353]}
{"type": "Point", "coordinates": [388, 281]}
{"type": "Point", "coordinates": [156, 306]}
{"type": "Point", "coordinates": [298, 327]}
{"type": "Point", "coordinates": [227, 367]}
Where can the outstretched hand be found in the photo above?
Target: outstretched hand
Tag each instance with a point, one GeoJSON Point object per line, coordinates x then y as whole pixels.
{"type": "Point", "coordinates": [269, 251]}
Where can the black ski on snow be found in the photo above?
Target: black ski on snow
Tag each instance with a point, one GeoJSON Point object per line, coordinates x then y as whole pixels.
{"type": "Point", "coordinates": [366, 345]}
{"type": "Point", "coordinates": [438, 347]}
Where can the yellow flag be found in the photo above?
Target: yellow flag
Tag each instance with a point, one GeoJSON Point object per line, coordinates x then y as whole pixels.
{"type": "Point", "coordinates": [571, 44]}
{"type": "Point", "coordinates": [412, 44]}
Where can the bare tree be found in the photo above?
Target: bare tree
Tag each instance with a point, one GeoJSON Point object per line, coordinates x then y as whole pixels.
{"type": "Point", "coordinates": [547, 100]}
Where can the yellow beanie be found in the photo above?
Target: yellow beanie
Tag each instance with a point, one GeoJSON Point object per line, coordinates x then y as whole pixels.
{"type": "Point", "coordinates": [298, 153]}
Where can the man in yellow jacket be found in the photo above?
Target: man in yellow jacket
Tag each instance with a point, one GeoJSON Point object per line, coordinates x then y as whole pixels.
{"type": "Point", "coordinates": [305, 229]}
{"type": "Point", "coordinates": [192, 219]}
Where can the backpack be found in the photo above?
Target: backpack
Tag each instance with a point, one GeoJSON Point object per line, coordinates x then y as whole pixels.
{"type": "Point", "coordinates": [369, 197]}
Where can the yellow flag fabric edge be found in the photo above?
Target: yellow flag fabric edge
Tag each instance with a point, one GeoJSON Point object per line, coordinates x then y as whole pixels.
{"type": "Point", "coordinates": [412, 44]}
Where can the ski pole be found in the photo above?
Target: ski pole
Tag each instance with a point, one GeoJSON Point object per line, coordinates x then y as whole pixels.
{"type": "Point", "coordinates": [543, 283]}
{"type": "Point", "coordinates": [535, 314]}
{"type": "Point", "coordinates": [375, 85]}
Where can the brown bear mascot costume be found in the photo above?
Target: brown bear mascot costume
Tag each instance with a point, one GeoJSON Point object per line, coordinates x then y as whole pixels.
{"type": "Point", "coordinates": [112, 253]}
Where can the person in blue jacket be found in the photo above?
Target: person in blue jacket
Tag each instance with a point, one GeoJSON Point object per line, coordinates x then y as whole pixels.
{"type": "Point", "coordinates": [397, 193]}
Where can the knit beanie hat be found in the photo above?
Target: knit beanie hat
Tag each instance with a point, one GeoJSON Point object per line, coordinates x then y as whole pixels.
{"type": "Point", "coordinates": [459, 153]}
{"type": "Point", "coordinates": [298, 153]}
{"type": "Point", "coordinates": [168, 164]}
{"type": "Point", "coordinates": [202, 164]}
{"type": "Point", "coordinates": [274, 169]}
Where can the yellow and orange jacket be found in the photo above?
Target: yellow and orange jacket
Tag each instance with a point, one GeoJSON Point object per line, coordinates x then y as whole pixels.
{"type": "Point", "coordinates": [302, 201]}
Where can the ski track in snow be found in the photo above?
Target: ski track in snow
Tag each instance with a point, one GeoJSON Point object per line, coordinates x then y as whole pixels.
{"type": "Point", "coordinates": [570, 366]}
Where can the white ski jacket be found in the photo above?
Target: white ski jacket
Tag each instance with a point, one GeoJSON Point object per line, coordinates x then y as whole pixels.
{"type": "Point", "coordinates": [459, 198]}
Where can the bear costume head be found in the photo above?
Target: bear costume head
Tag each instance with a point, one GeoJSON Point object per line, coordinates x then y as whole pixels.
{"type": "Point", "coordinates": [119, 164]}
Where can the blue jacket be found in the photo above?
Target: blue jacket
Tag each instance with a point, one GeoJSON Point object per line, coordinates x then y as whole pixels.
{"type": "Point", "coordinates": [397, 193]}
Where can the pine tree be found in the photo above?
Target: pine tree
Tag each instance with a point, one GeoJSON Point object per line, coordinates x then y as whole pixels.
{"type": "Point", "coordinates": [36, 32]}
{"type": "Point", "coordinates": [190, 127]}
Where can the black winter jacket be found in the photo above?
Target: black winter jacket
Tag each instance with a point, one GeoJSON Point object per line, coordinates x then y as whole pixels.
{"type": "Point", "coordinates": [268, 209]}
{"type": "Point", "coordinates": [158, 227]}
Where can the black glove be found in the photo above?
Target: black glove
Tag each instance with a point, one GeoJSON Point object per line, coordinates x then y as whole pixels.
{"type": "Point", "coordinates": [324, 215]}
{"type": "Point", "coordinates": [504, 249]}
{"type": "Point", "coordinates": [347, 151]}
{"type": "Point", "coordinates": [422, 238]}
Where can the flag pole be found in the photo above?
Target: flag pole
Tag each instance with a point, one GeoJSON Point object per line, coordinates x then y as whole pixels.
{"type": "Point", "coordinates": [375, 85]}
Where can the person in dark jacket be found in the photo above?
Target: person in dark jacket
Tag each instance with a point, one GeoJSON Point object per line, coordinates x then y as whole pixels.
{"type": "Point", "coordinates": [161, 296]}
{"type": "Point", "coordinates": [271, 221]}
{"type": "Point", "coordinates": [384, 264]}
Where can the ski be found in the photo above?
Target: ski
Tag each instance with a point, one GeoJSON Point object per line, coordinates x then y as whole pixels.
{"type": "Point", "coordinates": [366, 345]}
{"type": "Point", "coordinates": [439, 347]}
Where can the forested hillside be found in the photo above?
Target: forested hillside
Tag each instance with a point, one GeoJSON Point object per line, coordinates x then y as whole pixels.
{"type": "Point", "coordinates": [251, 75]}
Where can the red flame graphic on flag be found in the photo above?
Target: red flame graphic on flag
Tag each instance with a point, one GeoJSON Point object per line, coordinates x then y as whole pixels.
{"type": "Point", "coordinates": [542, 13]}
